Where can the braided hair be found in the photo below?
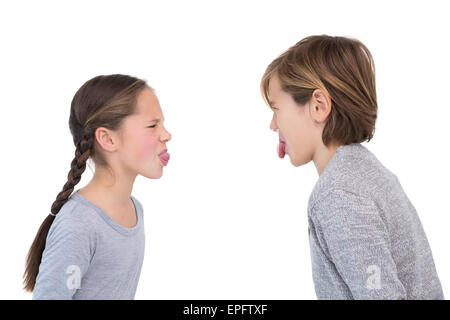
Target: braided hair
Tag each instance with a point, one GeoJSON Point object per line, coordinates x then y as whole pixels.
{"type": "Point", "coordinates": [103, 101]}
{"type": "Point", "coordinates": [77, 167]}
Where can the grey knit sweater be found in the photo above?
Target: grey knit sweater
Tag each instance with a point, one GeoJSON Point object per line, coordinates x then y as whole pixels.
{"type": "Point", "coordinates": [366, 239]}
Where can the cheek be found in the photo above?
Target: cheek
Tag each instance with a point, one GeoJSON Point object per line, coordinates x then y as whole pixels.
{"type": "Point", "coordinates": [290, 127]}
{"type": "Point", "coordinates": [296, 131]}
{"type": "Point", "coordinates": [146, 148]}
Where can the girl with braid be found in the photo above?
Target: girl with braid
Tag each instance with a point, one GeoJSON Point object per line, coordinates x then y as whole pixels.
{"type": "Point", "coordinates": [91, 245]}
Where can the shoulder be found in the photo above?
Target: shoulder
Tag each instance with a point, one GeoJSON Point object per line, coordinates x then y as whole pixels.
{"type": "Point", "coordinates": [74, 220]}
{"type": "Point", "coordinates": [337, 198]}
{"type": "Point", "coordinates": [332, 198]}
{"type": "Point", "coordinates": [353, 169]}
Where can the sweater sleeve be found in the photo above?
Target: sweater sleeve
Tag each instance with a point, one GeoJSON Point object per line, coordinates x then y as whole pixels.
{"type": "Point", "coordinates": [66, 258]}
{"type": "Point", "coordinates": [354, 238]}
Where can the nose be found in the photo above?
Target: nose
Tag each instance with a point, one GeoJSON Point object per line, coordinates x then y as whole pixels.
{"type": "Point", "coordinates": [166, 136]}
{"type": "Point", "coordinates": [273, 124]}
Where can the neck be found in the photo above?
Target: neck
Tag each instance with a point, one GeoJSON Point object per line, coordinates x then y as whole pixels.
{"type": "Point", "coordinates": [114, 190]}
{"type": "Point", "coordinates": [323, 155]}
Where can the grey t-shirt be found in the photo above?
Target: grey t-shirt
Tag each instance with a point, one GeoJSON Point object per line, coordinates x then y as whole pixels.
{"type": "Point", "coordinates": [366, 239]}
{"type": "Point", "coordinates": [90, 256]}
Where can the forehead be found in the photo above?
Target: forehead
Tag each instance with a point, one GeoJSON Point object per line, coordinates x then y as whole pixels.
{"type": "Point", "coordinates": [273, 89]}
{"type": "Point", "coordinates": [148, 104]}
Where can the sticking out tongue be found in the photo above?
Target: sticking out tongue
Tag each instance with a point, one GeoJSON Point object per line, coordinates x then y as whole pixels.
{"type": "Point", "coordinates": [281, 148]}
{"type": "Point", "coordinates": [165, 156]}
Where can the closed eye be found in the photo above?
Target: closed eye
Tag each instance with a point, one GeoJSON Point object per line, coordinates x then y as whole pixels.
{"type": "Point", "coordinates": [152, 126]}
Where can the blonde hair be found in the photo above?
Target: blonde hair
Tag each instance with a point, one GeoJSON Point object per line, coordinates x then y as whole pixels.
{"type": "Point", "coordinates": [344, 69]}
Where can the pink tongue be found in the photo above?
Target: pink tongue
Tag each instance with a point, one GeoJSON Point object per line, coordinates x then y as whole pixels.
{"type": "Point", "coordinates": [165, 156]}
{"type": "Point", "coordinates": [281, 148]}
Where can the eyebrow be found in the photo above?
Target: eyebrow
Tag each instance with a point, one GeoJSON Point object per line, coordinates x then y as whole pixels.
{"type": "Point", "coordinates": [157, 120]}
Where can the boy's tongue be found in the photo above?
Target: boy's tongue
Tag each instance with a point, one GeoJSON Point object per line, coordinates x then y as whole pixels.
{"type": "Point", "coordinates": [281, 148]}
{"type": "Point", "coordinates": [165, 156]}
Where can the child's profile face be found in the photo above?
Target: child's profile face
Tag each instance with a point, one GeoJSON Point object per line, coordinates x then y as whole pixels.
{"type": "Point", "coordinates": [293, 124]}
{"type": "Point", "coordinates": [144, 137]}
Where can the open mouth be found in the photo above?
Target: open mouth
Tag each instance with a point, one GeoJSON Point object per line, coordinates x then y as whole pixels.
{"type": "Point", "coordinates": [282, 149]}
{"type": "Point", "coordinates": [164, 157]}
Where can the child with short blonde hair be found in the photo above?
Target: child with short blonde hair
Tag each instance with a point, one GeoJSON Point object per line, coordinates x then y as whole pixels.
{"type": "Point", "coordinates": [366, 239]}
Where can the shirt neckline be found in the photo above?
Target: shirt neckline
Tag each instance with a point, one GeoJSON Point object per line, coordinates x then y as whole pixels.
{"type": "Point", "coordinates": [341, 152]}
{"type": "Point", "coordinates": [111, 222]}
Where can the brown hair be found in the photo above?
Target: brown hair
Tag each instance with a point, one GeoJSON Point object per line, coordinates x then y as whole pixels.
{"type": "Point", "coordinates": [103, 101]}
{"type": "Point", "coordinates": [344, 69]}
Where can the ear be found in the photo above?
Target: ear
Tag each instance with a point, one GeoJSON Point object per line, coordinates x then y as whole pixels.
{"type": "Point", "coordinates": [320, 105]}
{"type": "Point", "coordinates": [106, 139]}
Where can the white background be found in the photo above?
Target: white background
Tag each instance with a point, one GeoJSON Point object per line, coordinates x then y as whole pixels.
{"type": "Point", "coordinates": [228, 218]}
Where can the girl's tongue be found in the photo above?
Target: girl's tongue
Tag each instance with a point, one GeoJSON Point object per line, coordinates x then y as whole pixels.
{"type": "Point", "coordinates": [165, 157]}
{"type": "Point", "coordinates": [281, 149]}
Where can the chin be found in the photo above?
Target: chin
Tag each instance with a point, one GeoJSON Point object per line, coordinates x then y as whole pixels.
{"type": "Point", "coordinates": [296, 162]}
{"type": "Point", "coordinates": [155, 174]}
